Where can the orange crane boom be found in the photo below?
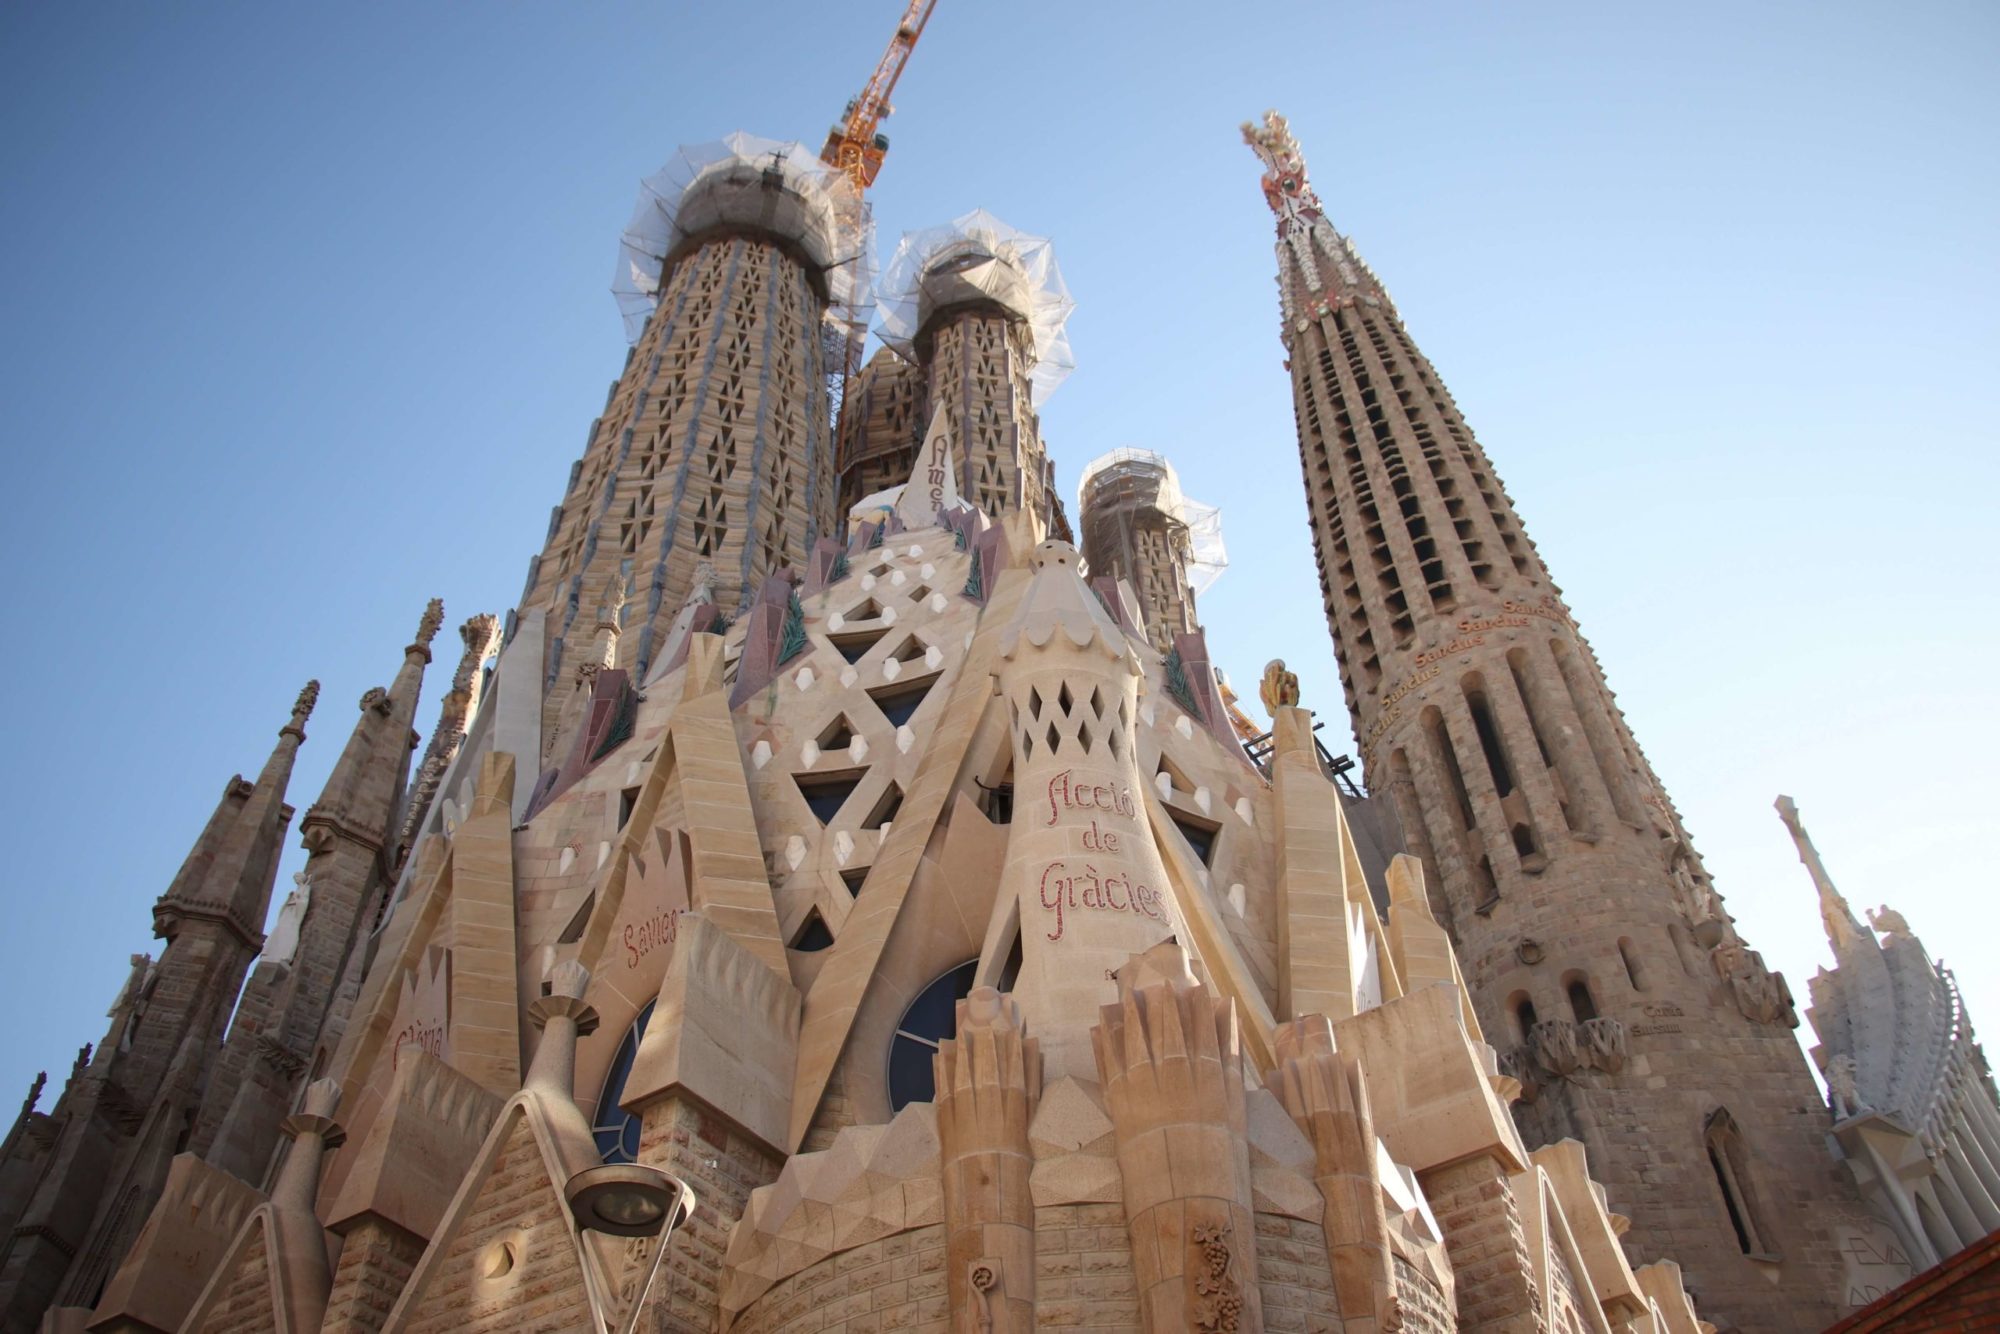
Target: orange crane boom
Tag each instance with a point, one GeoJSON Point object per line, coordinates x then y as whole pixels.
{"type": "Point", "coordinates": [856, 144]}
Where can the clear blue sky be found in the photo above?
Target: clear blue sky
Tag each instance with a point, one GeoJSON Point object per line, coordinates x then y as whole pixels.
{"type": "Point", "coordinates": [306, 318]}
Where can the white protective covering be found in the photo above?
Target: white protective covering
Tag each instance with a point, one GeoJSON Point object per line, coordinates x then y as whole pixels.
{"type": "Point", "coordinates": [1139, 477]}
{"type": "Point", "coordinates": [1025, 274]}
{"type": "Point", "coordinates": [705, 185]}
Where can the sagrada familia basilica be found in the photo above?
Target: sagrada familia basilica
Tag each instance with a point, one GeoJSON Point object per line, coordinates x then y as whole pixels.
{"type": "Point", "coordinates": [834, 899]}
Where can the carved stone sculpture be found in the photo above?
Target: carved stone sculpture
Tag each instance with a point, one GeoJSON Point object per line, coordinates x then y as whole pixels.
{"type": "Point", "coordinates": [1841, 1087]}
{"type": "Point", "coordinates": [1555, 1046]}
{"type": "Point", "coordinates": [1279, 689]}
{"type": "Point", "coordinates": [1604, 1044]}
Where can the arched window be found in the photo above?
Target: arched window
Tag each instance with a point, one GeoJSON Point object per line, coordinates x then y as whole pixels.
{"type": "Point", "coordinates": [1635, 972]}
{"type": "Point", "coordinates": [617, 1130]}
{"type": "Point", "coordinates": [1524, 1015]}
{"type": "Point", "coordinates": [1729, 1157]}
{"type": "Point", "coordinates": [1581, 1003]}
{"type": "Point", "coordinates": [931, 1018]}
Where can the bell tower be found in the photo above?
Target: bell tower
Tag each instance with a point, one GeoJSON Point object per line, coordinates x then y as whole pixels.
{"type": "Point", "coordinates": [1599, 957]}
{"type": "Point", "coordinates": [715, 445]}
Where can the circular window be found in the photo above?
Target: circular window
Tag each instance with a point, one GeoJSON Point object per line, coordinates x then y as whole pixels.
{"type": "Point", "coordinates": [617, 1130]}
{"type": "Point", "coordinates": [931, 1018]}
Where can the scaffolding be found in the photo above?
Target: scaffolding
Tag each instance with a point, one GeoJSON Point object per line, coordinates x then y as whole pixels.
{"type": "Point", "coordinates": [1128, 490]}
{"type": "Point", "coordinates": [772, 186]}
{"type": "Point", "coordinates": [977, 257]}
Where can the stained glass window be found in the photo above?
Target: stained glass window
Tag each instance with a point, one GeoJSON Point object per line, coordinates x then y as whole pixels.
{"type": "Point", "coordinates": [617, 1130]}
{"type": "Point", "coordinates": [931, 1018]}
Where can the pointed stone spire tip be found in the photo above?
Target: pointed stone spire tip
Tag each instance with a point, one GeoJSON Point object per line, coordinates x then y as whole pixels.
{"type": "Point", "coordinates": [302, 707]}
{"type": "Point", "coordinates": [433, 618]}
{"type": "Point", "coordinates": [1286, 188]}
{"type": "Point", "coordinates": [322, 1098]}
{"type": "Point", "coordinates": [569, 978]}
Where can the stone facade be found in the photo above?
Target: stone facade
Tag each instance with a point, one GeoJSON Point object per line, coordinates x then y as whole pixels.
{"type": "Point", "coordinates": [938, 921]}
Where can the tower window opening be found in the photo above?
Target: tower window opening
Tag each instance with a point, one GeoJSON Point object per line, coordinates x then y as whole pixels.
{"type": "Point", "coordinates": [1200, 837]}
{"type": "Point", "coordinates": [853, 646]}
{"type": "Point", "coordinates": [628, 800]}
{"type": "Point", "coordinates": [996, 803]}
{"type": "Point", "coordinates": [1524, 840]}
{"type": "Point", "coordinates": [1634, 971]}
{"type": "Point", "coordinates": [1524, 1016]}
{"type": "Point", "coordinates": [1578, 687]}
{"type": "Point", "coordinates": [1488, 889]}
{"type": "Point", "coordinates": [1489, 735]}
{"type": "Point", "coordinates": [1440, 737]}
{"type": "Point", "coordinates": [1581, 1003]}
{"type": "Point", "coordinates": [1729, 1158]}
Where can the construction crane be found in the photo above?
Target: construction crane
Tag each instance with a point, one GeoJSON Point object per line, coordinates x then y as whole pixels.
{"type": "Point", "coordinates": [855, 144]}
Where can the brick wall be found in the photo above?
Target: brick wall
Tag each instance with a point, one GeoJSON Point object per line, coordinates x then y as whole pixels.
{"type": "Point", "coordinates": [1294, 1275]}
{"type": "Point", "coordinates": [1475, 1207]}
{"type": "Point", "coordinates": [896, 1283]}
{"type": "Point", "coordinates": [245, 1307]}
{"type": "Point", "coordinates": [723, 1166]}
{"type": "Point", "coordinates": [375, 1262]}
{"type": "Point", "coordinates": [512, 1267]}
{"type": "Point", "coordinates": [1083, 1268]}
{"type": "Point", "coordinates": [1423, 1303]}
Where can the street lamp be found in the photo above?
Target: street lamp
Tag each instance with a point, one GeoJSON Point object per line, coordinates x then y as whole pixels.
{"type": "Point", "coordinates": [626, 1200]}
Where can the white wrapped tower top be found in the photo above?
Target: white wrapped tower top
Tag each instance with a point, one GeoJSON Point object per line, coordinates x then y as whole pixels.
{"type": "Point", "coordinates": [977, 257]}
{"type": "Point", "coordinates": [1117, 485]}
{"type": "Point", "coordinates": [745, 181]}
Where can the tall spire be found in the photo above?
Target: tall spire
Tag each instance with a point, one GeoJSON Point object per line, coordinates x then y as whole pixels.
{"type": "Point", "coordinates": [228, 875]}
{"type": "Point", "coordinates": [1842, 927]}
{"type": "Point", "coordinates": [1319, 269]}
{"type": "Point", "coordinates": [1579, 910]}
{"type": "Point", "coordinates": [366, 784]}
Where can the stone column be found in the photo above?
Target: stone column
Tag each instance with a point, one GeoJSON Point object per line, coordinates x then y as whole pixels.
{"type": "Point", "coordinates": [1977, 1151]}
{"type": "Point", "coordinates": [989, 1083]}
{"type": "Point", "coordinates": [301, 1239]}
{"type": "Point", "coordinates": [1170, 1057]}
{"type": "Point", "coordinates": [1969, 1186]}
{"type": "Point", "coordinates": [1324, 1092]}
{"type": "Point", "coordinates": [1965, 1228]}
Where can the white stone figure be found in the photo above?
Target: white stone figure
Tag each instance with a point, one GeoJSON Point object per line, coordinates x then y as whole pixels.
{"type": "Point", "coordinates": [283, 942]}
{"type": "Point", "coordinates": [1841, 1087]}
